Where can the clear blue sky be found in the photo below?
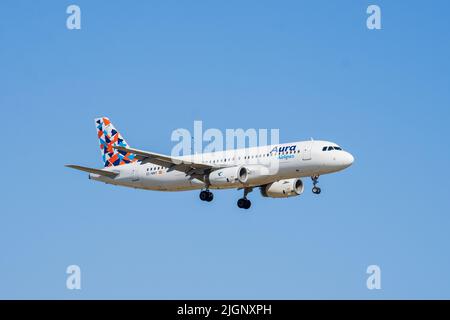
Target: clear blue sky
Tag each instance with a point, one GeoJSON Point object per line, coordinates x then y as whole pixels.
{"type": "Point", "coordinates": [311, 69]}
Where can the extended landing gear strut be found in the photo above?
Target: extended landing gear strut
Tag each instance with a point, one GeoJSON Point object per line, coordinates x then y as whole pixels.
{"type": "Point", "coordinates": [244, 203]}
{"type": "Point", "coordinates": [206, 195]}
{"type": "Point", "coordinates": [315, 189]}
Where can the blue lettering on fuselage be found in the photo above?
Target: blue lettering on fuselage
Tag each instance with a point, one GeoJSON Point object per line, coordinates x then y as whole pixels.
{"type": "Point", "coordinates": [285, 156]}
{"type": "Point", "coordinates": [284, 149]}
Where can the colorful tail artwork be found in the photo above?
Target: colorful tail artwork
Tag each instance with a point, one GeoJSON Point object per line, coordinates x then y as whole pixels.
{"type": "Point", "coordinates": [108, 137]}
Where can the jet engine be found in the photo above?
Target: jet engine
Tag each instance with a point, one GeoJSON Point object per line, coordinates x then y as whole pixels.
{"type": "Point", "coordinates": [283, 188]}
{"type": "Point", "coordinates": [227, 177]}
{"type": "Point", "coordinates": [255, 174]}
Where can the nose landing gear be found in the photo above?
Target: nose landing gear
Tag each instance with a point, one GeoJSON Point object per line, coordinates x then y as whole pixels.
{"type": "Point", "coordinates": [315, 189]}
{"type": "Point", "coordinates": [206, 195]}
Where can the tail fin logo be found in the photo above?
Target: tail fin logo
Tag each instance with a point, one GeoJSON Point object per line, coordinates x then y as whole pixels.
{"type": "Point", "coordinates": [108, 137]}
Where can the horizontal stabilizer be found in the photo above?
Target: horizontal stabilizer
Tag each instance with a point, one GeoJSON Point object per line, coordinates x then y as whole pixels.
{"type": "Point", "coordinates": [100, 172]}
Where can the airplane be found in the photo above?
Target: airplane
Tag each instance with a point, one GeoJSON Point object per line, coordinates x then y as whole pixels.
{"type": "Point", "coordinates": [275, 169]}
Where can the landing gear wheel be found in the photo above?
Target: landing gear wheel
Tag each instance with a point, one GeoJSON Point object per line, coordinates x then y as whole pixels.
{"type": "Point", "coordinates": [315, 189]}
{"type": "Point", "coordinates": [203, 195]}
{"type": "Point", "coordinates": [206, 196]}
{"type": "Point", "coordinates": [244, 203]}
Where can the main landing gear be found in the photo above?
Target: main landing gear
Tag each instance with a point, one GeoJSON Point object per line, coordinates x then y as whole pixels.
{"type": "Point", "coordinates": [315, 189]}
{"type": "Point", "coordinates": [206, 195]}
{"type": "Point", "coordinates": [244, 203]}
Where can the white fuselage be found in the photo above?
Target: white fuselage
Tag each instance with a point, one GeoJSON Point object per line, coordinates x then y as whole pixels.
{"type": "Point", "coordinates": [294, 160]}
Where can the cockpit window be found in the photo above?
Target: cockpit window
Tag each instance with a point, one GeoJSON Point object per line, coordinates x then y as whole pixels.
{"type": "Point", "coordinates": [329, 148]}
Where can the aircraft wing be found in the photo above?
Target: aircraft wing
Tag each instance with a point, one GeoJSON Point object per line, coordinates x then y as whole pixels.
{"type": "Point", "coordinates": [190, 168]}
{"type": "Point", "coordinates": [104, 173]}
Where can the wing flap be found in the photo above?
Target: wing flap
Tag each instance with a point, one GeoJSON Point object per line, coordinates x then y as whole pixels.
{"type": "Point", "coordinates": [167, 161]}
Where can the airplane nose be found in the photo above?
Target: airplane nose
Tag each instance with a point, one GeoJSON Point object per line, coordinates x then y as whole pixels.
{"type": "Point", "coordinates": [348, 160]}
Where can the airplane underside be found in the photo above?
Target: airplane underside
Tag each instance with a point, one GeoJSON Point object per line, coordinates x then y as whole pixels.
{"type": "Point", "coordinates": [186, 184]}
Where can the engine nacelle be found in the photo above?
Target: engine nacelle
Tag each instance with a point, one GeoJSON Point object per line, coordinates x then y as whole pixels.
{"type": "Point", "coordinates": [283, 188]}
{"type": "Point", "coordinates": [255, 174]}
{"type": "Point", "coordinates": [227, 177]}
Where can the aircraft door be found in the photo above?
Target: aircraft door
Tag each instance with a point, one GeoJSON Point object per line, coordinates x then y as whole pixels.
{"type": "Point", "coordinates": [306, 151]}
{"type": "Point", "coordinates": [135, 172]}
